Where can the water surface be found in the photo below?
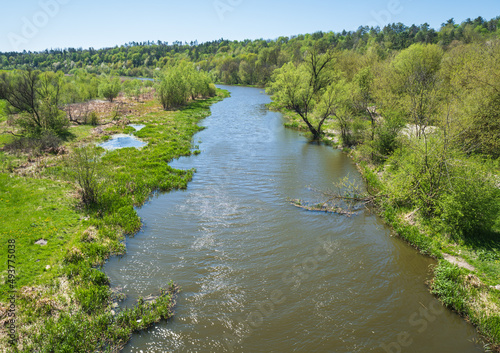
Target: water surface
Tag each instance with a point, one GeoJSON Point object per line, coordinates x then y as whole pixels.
{"type": "Point", "coordinates": [123, 140]}
{"type": "Point", "coordinates": [259, 275]}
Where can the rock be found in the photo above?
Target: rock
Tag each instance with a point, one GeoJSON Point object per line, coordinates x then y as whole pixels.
{"type": "Point", "coordinates": [495, 287]}
{"type": "Point", "coordinates": [41, 242]}
{"type": "Point", "coordinates": [47, 267]}
{"type": "Point", "coordinates": [113, 312]}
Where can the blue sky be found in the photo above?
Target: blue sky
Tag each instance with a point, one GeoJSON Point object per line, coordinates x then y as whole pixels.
{"type": "Point", "coordinates": [44, 24]}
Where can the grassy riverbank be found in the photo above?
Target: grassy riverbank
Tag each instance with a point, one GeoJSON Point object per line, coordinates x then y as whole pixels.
{"type": "Point", "coordinates": [467, 278]}
{"type": "Point", "coordinates": [61, 298]}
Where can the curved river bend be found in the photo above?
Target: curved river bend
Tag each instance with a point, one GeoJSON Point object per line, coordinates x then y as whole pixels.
{"type": "Point", "coordinates": [259, 275]}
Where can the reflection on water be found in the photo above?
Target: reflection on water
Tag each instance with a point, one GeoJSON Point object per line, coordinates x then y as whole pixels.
{"type": "Point", "coordinates": [122, 141]}
{"type": "Point", "coordinates": [258, 274]}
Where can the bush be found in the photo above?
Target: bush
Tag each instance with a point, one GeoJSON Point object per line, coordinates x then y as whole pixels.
{"type": "Point", "coordinates": [84, 167]}
{"type": "Point", "coordinates": [172, 89]}
{"type": "Point", "coordinates": [109, 88]}
{"type": "Point", "coordinates": [92, 119]}
{"type": "Point", "coordinates": [178, 84]}
{"type": "Point", "coordinates": [386, 136]}
{"type": "Point", "coordinates": [212, 90]}
{"type": "Point", "coordinates": [471, 205]}
{"type": "Point", "coordinates": [47, 141]}
{"type": "Point", "coordinates": [452, 190]}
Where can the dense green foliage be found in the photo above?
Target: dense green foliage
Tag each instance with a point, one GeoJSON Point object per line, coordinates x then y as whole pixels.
{"type": "Point", "coordinates": [176, 85]}
{"type": "Point", "coordinates": [109, 88]}
{"type": "Point", "coordinates": [249, 61]}
{"type": "Point", "coordinates": [427, 116]}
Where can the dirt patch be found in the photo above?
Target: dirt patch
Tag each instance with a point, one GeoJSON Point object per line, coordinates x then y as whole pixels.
{"type": "Point", "coordinates": [106, 111]}
{"type": "Point", "coordinates": [459, 262]}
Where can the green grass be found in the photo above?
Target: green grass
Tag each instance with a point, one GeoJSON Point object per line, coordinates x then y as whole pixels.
{"type": "Point", "coordinates": [81, 132]}
{"type": "Point", "coordinates": [67, 306]}
{"type": "Point", "coordinates": [4, 138]}
{"type": "Point", "coordinates": [3, 116]}
{"type": "Point", "coordinates": [460, 290]}
{"type": "Point", "coordinates": [31, 210]}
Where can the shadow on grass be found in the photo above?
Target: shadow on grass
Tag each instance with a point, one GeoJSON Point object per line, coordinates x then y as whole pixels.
{"type": "Point", "coordinates": [485, 241]}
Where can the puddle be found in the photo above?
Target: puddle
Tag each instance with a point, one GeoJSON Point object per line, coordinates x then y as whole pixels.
{"type": "Point", "coordinates": [123, 141]}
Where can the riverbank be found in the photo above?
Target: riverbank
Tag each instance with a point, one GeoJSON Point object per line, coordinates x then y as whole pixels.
{"type": "Point", "coordinates": [467, 277]}
{"type": "Point", "coordinates": [54, 293]}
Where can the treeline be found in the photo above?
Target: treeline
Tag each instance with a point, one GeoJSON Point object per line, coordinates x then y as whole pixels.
{"type": "Point", "coordinates": [249, 61]}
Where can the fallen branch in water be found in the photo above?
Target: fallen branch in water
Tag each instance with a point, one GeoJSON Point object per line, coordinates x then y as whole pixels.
{"type": "Point", "coordinates": [346, 200]}
{"type": "Point", "coordinates": [322, 208]}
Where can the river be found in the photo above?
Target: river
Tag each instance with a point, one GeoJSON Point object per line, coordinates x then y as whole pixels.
{"type": "Point", "coordinates": [260, 275]}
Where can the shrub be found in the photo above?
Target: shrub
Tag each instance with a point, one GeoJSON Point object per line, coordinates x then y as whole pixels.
{"type": "Point", "coordinates": [47, 141]}
{"type": "Point", "coordinates": [455, 191]}
{"type": "Point", "coordinates": [109, 88]}
{"type": "Point", "coordinates": [83, 166]}
{"type": "Point", "coordinates": [178, 84]}
{"type": "Point", "coordinates": [92, 119]}
{"type": "Point", "coordinates": [386, 141]}
{"type": "Point", "coordinates": [172, 89]}
{"type": "Point", "coordinates": [472, 203]}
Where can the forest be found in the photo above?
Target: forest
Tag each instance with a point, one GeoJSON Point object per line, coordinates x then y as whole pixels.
{"type": "Point", "coordinates": [249, 62]}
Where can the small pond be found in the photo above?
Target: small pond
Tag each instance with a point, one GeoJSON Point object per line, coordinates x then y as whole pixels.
{"type": "Point", "coordinates": [123, 141]}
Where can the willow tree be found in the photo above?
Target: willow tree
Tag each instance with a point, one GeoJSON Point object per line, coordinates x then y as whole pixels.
{"type": "Point", "coordinates": [307, 89]}
{"type": "Point", "coordinates": [176, 85]}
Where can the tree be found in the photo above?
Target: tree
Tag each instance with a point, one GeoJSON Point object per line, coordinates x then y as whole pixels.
{"type": "Point", "coordinates": [416, 81]}
{"type": "Point", "coordinates": [471, 74]}
{"type": "Point", "coordinates": [109, 88]}
{"type": "Point", "coordinates": [133, 88]}
{"type": "Point", "coordinates": [172, 89]}
{"type": "Point", "coordinates": [34, 98]}
{"type": "Point", "coordinates": [228, 70]}
{"type": "Point", "coordinates": [247, 71]}
{"type": "Point", "coordinates": [306, 89]}
{"type": "Point", "coordinates": [363, 96]}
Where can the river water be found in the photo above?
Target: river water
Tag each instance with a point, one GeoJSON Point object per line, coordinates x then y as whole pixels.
{"type": "Point", "coordinates": [260, 275]}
